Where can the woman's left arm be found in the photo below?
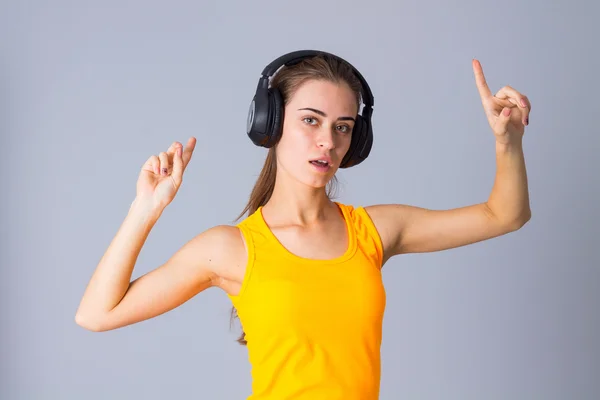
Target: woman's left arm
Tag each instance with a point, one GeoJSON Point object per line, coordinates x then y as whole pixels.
{"type": "Point", "coordinates": [410, 229]}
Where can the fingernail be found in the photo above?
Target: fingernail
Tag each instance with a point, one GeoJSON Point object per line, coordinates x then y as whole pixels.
{"type": "Point", "coordinates": [164, 171]}
{"type": "Point", "coordinates": [523, 103]}
{"type": "Point", "coordinates": [527, 120]}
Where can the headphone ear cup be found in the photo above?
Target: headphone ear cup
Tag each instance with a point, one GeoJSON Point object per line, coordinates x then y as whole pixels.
{"type": "Point", "coordinates": [276, 114]}
{"type": "Point", "coordinates": [257, 124]}
{"type": "Point", "coordinates": [359, 140]}
{"type": "Point", "coordinates": [265, 118]}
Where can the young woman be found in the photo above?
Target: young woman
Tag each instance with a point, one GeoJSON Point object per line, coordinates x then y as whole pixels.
{"type": "Point", "coordinates": [302, 271]}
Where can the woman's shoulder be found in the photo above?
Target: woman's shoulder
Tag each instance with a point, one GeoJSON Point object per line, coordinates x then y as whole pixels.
{"type": "Point", "coordinates": [223, 235]}
{"type": "Point", "coordinates": [222, 246]}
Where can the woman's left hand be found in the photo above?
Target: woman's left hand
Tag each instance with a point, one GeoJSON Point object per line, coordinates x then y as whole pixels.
{"type": "Point", "coordinates": [507, 111]}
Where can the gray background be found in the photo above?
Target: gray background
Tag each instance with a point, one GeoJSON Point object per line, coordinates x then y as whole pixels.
{"type": "Point", "coordinates": [91, 89]}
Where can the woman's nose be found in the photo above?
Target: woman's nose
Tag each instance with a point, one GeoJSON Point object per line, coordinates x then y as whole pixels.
{"type": "Point", "coordinates": [325, 139]}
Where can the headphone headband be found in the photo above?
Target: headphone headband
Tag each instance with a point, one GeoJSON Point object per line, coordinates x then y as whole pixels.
{"type": "Point", "coordinates": [296, 56]}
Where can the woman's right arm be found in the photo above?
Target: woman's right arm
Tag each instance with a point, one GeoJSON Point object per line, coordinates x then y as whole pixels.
{"type": "Point", "coordinates": [111, 300]}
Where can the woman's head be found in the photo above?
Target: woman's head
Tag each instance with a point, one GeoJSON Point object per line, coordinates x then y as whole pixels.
{"type": "Point", "coordinates": [321, 98]}
{"type": "Point", "coordinates": [317, 130]}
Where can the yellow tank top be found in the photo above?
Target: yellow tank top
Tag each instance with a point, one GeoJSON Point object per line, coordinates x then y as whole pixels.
{"type": "Point", "coordinates": [313, 327]}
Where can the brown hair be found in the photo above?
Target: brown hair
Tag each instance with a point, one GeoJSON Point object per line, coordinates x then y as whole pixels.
{"type": "Point", "coordinates": [288, 80]}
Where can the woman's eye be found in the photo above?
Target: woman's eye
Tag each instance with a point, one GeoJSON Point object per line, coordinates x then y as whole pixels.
{"type": "Point", "coordinates": [314, 121]}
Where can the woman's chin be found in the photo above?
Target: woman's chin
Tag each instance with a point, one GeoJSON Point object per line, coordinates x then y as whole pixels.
{"type": "Point", "coordinates": [317, 182]}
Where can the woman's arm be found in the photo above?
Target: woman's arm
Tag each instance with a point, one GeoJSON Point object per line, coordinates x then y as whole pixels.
{"type": "Point", "coordinates": [111, 301]}
{"type": "Point", "coordinates": [408, 229]}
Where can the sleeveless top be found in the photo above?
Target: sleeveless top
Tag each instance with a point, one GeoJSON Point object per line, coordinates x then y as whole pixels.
{"type": "Point", "coordinates": [313, 327]}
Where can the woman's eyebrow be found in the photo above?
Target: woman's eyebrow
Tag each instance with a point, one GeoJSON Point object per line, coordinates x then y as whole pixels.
{"type": "Point", "coordinates": [321, 113]}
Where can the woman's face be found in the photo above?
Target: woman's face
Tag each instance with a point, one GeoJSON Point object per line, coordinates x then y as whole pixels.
{"type": "Point", "coordinates": [317, 128]}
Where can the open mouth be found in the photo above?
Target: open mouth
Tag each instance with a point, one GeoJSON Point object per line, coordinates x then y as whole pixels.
{"type": "Point", "coordinates": [319, 163]}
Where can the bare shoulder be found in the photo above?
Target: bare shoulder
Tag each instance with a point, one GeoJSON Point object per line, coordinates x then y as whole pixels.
{"type": "Point", "coordinates": [222, 249]}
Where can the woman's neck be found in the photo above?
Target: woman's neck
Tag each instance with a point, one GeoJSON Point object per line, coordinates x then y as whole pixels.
{"type": "Point", "coordinates": [298, 203]}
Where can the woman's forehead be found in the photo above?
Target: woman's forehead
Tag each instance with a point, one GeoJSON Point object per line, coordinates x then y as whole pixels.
{"type": "Point", "coordinates": [330, 97]}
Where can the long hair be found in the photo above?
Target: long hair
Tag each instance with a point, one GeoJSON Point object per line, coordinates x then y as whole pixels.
{"type": "Point", "coordinates": [288, 80]}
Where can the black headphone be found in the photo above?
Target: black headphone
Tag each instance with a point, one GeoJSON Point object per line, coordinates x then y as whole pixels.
{"type": "Point", "coordinates": [265, 116]}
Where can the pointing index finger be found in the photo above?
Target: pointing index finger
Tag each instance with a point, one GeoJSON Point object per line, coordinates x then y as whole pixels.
{"type": "Point", "coordinates": [484, 90]}
{"type": "Point", "coordinates": [188, 150]}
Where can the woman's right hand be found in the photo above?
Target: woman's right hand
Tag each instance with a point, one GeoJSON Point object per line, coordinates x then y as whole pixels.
{"type": "Point", "coordinates": [162, 174]}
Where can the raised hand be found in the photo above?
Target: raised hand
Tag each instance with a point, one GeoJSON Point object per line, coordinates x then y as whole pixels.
{"type": "Point", "coordinates": [507, 111]}
{"type": "Point", "coordinates": [162, 174]}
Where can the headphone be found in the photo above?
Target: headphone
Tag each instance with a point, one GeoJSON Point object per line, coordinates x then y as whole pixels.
{"type": "Point", "coordinates": [265, 116]}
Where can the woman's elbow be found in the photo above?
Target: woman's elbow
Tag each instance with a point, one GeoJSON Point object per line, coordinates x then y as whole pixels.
{"type": "Point", "coordinates": [89, 323]}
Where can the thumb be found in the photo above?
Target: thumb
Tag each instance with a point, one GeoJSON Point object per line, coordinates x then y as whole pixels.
{"type": "Point", "coordinates": [501, 125]}
{"type": "Point", "coordinates": [177, 173]}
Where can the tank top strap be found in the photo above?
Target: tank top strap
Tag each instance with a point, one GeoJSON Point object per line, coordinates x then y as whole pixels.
{"type": "Point", "coordinates": [367, 236]}
{"type": "Point", "coordinates": [261, 249]}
